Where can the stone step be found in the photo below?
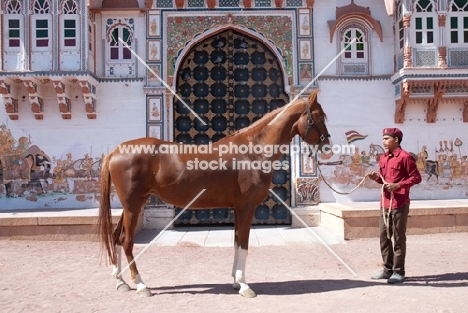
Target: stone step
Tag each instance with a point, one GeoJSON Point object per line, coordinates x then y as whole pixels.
{"type": "Point", "coordinates": [346, 220]}
{"type": "Point", "coordinates": [354, 220]}
{"type": "Point", "coordinates": [52, 225]}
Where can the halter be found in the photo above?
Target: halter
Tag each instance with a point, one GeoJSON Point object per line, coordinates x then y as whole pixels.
{"type": "Point", "coordinates": [311, 123]}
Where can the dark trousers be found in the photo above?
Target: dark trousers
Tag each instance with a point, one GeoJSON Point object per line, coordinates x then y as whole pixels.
{"type": "Point", "coordinates": [394, 253]}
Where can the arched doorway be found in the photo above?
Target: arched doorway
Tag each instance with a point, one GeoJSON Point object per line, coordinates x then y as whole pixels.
{"type": "Point", "coordinates": [230, 80]}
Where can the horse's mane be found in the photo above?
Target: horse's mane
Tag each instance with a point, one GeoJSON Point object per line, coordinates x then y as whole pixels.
{"type": "Point", "coordinates": [268, 117]}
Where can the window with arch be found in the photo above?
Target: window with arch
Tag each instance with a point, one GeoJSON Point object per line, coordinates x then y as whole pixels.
{"type": "Point", "coordinates": [354, 60]}
{"type": "Point", "coordinates": [69, 23]}
{"type": "Point", "coordinates": [401, 28]}
{"type": "Point", "coordinates": [41, 6]}
{"type": "Point", "coordinates": [13, 23]}
{"type": "Point", "coordinates": [41, 23]}
{"type": "Point", "coordinates": [117, 49]}
{"type": "Point", "coordinates": [458, 19]}
{"type": "Point", "coordinates": [424, 22]}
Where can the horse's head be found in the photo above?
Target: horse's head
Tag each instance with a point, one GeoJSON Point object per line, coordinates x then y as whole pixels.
{"type": "Point", "coordinates": [311, 125]}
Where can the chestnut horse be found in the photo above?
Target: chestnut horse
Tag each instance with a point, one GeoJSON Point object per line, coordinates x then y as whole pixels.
{"type": "Point", "coordinates": [136, 176]}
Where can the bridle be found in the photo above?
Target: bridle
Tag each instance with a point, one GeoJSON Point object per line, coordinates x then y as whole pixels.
{"type": "Point", "coordinates": [311, 124]}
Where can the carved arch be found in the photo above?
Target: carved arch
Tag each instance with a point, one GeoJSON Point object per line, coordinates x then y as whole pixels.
{"type": "Point", "coordinates": [354, 12]}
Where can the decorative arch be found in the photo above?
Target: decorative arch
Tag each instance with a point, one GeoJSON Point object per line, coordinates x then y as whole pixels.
{"type": "Point", "coordinates": [113, 26]}
{"type": "Point", "coordinates": [352, 13]}
{"type": "Point", "coordinates": [69, 7]}
{"type": "Point", "coordinates": [248, 32]}
{"type": "Point", "coordinates": [13, 7]}
{"type": "Point", "coordinates": [41, 6]}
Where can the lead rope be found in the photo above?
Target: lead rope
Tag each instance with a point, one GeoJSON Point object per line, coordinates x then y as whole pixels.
{"type": "Point", "coordinates": [386, 219]}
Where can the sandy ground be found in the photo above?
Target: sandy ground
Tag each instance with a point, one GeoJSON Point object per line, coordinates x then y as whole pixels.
{"type": "Point", "coordinates": [70, 276]}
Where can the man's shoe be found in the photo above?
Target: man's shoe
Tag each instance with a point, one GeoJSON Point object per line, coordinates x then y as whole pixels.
{"type": "Point", "coordinates": [396, 278]}
{"type": "Point", "coordinates": [381, 275]}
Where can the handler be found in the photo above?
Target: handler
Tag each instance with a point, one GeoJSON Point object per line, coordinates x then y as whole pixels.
{"type": "Point", "coordinates": [398, 172]}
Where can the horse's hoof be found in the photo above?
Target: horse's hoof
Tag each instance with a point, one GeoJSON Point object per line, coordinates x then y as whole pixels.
{"type": "Point", "coordinates": [123, 287]}
{"type": "Point", "coordinates": [248, 293]}
{"type": "Point", "coordinates": [144, 292]}
{"type": "Point", "coordinates": [236, 286]}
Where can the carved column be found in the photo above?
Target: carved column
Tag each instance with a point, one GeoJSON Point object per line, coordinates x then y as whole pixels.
{"type": "Point", "coordinates": [442, 42]}
{"type": "Point", "coordinates": [407, 53]}
{"type": "Point", "coordinates": [11, 104]}
{"type": "Point", "coordinates": [211, 4]}
{"type": "Point", "coordinates": [37, 104]}
{"type": "Point", "coordinates": [310, 3]}
{"type": "Point", "coordinates": [89, 96]}
{"type": "Point", "coordinates": [179, 4]}
{"type": "Point", "coordinates": [279, 3]}
{"type": "Point", "coordinates": [148, 4]}
{"type": "Point", "coordinates": [63, 101]}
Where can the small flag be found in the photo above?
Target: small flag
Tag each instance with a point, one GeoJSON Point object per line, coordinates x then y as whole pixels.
{"type": "Point", "coordinates": [353, 135]}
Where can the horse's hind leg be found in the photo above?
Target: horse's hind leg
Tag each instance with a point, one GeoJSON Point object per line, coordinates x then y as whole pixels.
{"type": "Point", "coordinates": [130, 220]}
{"type": "Point", "coordinates": [116, 271]}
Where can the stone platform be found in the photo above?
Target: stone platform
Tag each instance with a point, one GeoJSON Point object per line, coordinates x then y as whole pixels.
{"type": "Point", "coordinates": [361, 219]}
{"type": "Point", "coordinates": [53, 225]}
{"type": "Point", "coordinates": [345, 220]}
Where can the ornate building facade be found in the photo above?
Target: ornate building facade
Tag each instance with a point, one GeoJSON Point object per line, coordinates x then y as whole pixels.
{"type": "Point", "coordinates": [79, 77]}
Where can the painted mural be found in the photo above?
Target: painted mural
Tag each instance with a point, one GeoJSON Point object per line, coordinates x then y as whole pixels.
{"type": "Point", "coordinates": [442, 163]}
{"type": "Point", "coordinates": [29, 173]}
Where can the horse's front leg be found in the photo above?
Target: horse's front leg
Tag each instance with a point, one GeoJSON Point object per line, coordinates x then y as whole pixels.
{"type": "Point", "coordinates": [240, 256]}
{"type": "Point", "coordinates": [235, 285]}
{"type": "Point", "coordinates": [116, 271]}
{"type": "Point", "coordinates": [239, 279]}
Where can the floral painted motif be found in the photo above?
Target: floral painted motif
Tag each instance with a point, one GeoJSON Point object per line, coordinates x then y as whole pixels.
{"type": "Point", "coordinates": [181, 30]}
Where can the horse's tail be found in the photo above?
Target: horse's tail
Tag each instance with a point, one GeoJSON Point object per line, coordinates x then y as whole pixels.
{"type": "Point", "coordinates": [105, 214]}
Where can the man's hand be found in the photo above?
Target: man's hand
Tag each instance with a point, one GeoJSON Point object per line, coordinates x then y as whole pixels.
{"type": "Point", "coordinates": [392, 187]}
{"type": "Point", "coordinates": [373, 175]}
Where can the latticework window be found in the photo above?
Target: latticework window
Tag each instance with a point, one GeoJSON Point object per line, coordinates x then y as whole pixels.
{"type": "Point", "coordinates": [69, 7]}
{"type": "Point", "coordinates": [41, 6]}
{"type": "Point", "coordinates": [13, 7]}
{"type": "Point", "coordinates": [424, 22]}
{"type": "Point", "coordinates": [458, 17]}
{"type": "Point", "coordinates": [354, 60]}
{"type": "Point", "coordinates": [118, 51]}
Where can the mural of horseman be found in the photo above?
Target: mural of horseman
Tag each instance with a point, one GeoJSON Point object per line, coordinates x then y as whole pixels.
{"type": "Point", "coordinates": [39, 166]}
{"type": "Point", "coordinates": [23, 167]}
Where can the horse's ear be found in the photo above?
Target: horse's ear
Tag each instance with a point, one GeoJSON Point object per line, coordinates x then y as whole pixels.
{"type": "Point", "coordinates": [313, 96]}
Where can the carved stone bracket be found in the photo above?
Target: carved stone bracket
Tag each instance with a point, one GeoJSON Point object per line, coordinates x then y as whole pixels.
{"type": "Point", "coordinates": [63, 101]}
{"type": "Point", "coordinates": [432, 106]}
{"type": "Point", "coordinates": [89, 96]}
{"type": "Point", "coordinates": [11, 104]}
{"type": "Point", "coordinates": [400, 110]}
{"type": "Point", "coordinates": [403, 102]}
{"type": "Point", "coordinates": [434, 94]}
{"type": "Point", "coordinates": [37, 104]}
{"type": "Point", "coordinates": [465, 112]}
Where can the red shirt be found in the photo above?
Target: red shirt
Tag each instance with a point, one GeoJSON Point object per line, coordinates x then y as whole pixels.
{"type": "Point", "coordinates": [398, 167]}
